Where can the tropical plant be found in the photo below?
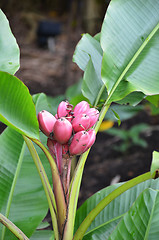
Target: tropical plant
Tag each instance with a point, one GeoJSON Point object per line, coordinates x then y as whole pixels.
{"type": "Point", "coordinates": [120, 65]}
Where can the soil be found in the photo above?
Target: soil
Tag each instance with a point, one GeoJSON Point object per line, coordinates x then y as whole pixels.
{"type": "Point", "coordinates": [52, 72]}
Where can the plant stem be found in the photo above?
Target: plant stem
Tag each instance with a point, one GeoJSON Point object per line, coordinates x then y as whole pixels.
{"type": "Point", "coordinates": [46, 185]}
{"type": "Point", "coordinates": [76, 182]}
{"type": "Point", "coordinates": [66, 170]}
{"type": "Point", "coordinates": [57, 188]}
{"type": "Point", "coordinates": [14, 229]}
{"type": "Point", "coordinates": [13, 187]}
{"type": "Point", "coordinates": [110, 197]}
{"type": "Point", "coordinates": [100, 94]}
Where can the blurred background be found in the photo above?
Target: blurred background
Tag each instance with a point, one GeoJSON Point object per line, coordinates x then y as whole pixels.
{"type": "Point", "coordinates": [47, 33]}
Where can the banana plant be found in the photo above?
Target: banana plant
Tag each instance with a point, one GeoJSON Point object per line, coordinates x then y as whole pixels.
{"type": "Point", "coordinates": [120, 65]}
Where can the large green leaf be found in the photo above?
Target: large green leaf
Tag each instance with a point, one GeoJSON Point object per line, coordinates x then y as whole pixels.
{"type": "Point", "coordinates": [43, 232]}
{"type": "Point", "coordinates": [42, 235]}
{"type": "Point", "coordinates": [22, 198]}
{"type": "Point", "coordinates": [16, 106]}
{"type": "Point", "coordinates": [21, 193]}
{"type": "Point", "coordinates": [130, 42]}
{"type": "Point", "coordinates": [9, 50]}
{"type": "Point", "coordinates": [88, 56]}
{"type": "Point", "coordinates": [108, 219]}
{"type": "Point", "coordinates": [141, 221]}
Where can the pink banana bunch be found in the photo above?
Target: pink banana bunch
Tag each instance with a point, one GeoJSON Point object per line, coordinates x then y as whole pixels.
{"type": "Point", "coordinates": [70, 131]}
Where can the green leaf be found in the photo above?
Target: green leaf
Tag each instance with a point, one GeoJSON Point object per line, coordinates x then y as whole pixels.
{"type": "Point", "coordinates": [54, 102]}
{"type": "Point", "coordinates": [16, 106]}
{"type": "Point", "coordinates": [9, 50]}
{"type": "Point", "coordinates": [153, 99]}
{"type": "Point", "coordinates": [92, 86]}
{"type": "Point", "coordinates": [134, 134]}
{"type": "Point", "coordinates": [97, 36]}
{"type": "Point", "coordinates": [121, 133]}
{"type": "Point", "coordinates": [88, 56]}
{"type": "Point", "coordinates": [154, 111]}
{"type": "Point", "coordinates": [117, 117]}
{"type": "Point", "coordinates": [42, 235]}
{"type": "Point", "coordinates": [108, 219]}
{"type": "Point", "coordinates": [124, 111]}
{"type": "Point", "coordinates": [141, 221]}
{"type": "Point", "coordinates": [41, 102]}
{"type": "Point", "coordinates": [132, 99]}
{"type": "Point", "coordinates": [130, 40]}
{"type": "Point", "coordinates": [88, 47]}
{"type": "Point", "coordinates": [130, 136]}
{"type": "Point", "coordinates": [22, 197]}
{"type": "Point", "coordinates": [74, 94]}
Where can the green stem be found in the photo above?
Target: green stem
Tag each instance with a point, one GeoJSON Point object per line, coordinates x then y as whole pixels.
{"type": "Point", "coordinates": [100, 94]}
{"type": "Point", "coordinates": [14, 229]}
{"type": "Point", "coordinates": [57, 188]}
{"type": "Point", "coordinates": [102, 115]}
{"type": "Point", "coordinates": [46, 185]}
{"type": "Point", "coordinates": [13, 187]}
{"type": "Point", "coordinates": [76, 182]}
{"type": "Point", "coordinates": [110, 197]}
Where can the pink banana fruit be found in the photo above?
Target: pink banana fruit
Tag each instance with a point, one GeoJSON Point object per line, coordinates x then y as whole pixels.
{"type": "Point", "coordinates": [64, 109]}
{"type": "Point", "coordinates": [93, 115]}
{"type": "Point", "coordinates": [81, 122]}
{"type": "Point", "coordinates": [79, 143]}
{"type": "Point", "coordinates": [62, 130]}
{"type": "Point", "coordinates": [46, 122]}
{"type": "Point", "coordinates": [81, 107]}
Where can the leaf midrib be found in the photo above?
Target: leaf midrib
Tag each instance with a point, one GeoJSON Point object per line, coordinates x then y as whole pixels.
{"type": "Point", "coordinates": [104, 224]}
{"type": "Point", "coordinates": [13, 187]}
{"type": "Point", "coordinates": [148, 225]}
{"type": "Point", "coordinates": [144, 44]}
